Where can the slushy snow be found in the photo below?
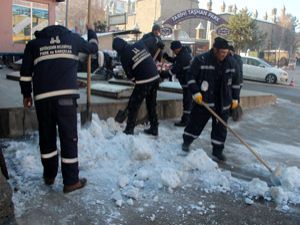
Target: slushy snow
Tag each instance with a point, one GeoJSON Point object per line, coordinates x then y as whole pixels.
{"type": "Point", "coordinates": [134, 168]}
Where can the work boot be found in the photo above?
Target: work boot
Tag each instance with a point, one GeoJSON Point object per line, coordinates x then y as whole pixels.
{"type": "Point", "coordinates": [151, 131]}
{"type": "Point", "coordinates": [218, 156]}
{"type": "Point", "coordinates": [49, 181]}
{"type": "Point", "coordinates": [72, 187]}
{"type": "Point", "coordinates": [185, 147]}
{"type": "Point", "coordinates": [128, 132]}
{"type": "Point", "coordinates": [181, 123]}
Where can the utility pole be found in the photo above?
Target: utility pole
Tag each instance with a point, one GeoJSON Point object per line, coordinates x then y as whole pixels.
{"type": "Point", "coordinates": [67, 13]}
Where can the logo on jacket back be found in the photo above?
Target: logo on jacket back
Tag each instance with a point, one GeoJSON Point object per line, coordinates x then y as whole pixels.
{"type": "Point", "coordinates": [54, 41]}
{"type": "Point", "coordinates": [135, 50]}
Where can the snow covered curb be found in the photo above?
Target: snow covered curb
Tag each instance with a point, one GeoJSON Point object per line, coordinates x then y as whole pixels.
{"type": "Point", "coordinates": [137, 167]}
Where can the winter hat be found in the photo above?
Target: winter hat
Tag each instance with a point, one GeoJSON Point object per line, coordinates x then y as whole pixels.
{"type": "Point", "coordinates": [175, 45]}
{"type": "Point", "coordinates": [119, 44]}
{"type": "Point", "coordinates": [221, 43]}
{"type": "Point", "coordinates": [231, 48]}
{"type": "Point", "coordinates": [155, 27]}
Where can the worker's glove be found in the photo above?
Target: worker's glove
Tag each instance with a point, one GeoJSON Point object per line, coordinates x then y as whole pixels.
{"type": "Point", "coordinates": [160, 45]}
{"type": "Point", "coordinates": [165, 55]}
{"type": "Point", "coordinates": [234, 104]}
{"type": "Point", "coordinates": [198, 98]}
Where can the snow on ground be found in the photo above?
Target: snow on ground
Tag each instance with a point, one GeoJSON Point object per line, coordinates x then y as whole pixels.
{"type": "Point", "coordinates": [138, 168]}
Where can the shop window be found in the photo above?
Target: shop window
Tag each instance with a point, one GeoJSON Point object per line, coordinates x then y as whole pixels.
{"type": "Point", "coordinates": [28, 17]}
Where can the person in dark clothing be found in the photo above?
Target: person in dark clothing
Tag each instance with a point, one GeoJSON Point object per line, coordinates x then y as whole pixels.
{"type": "Point", "coordinates": [139, 67]}
{"type": "Point", "coordinates": [237, 113]}
{"type": "Point", "coordinates": [181, 64]}
{"type": "Point", "coordinates": [153, 42]}
{"type": "Point", "coordinates": [50, 67]}
{"type": "Point", "coordinates": [212, 80]}
{"type": "Point", "coordinates": [239, 63]}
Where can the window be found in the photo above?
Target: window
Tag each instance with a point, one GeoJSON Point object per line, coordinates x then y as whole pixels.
{"type": "Point", "coordinates": [28, 17]}
{"type": "Point", "coordinates": [244, 60]}
{"type": "Point", "coordinates": [253, 62]}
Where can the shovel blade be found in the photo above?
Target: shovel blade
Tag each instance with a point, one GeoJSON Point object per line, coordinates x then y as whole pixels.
{"type": "Point", "coordinates": [275, 180]}
{"type": "Point", "coordinates": [237, 113]}
{"type": "Point", "coordinates": [85, 118]}
{"type": "Point", "coordinates": [275, 175]}
{"type": "Point", "coordinates": [121, 116]}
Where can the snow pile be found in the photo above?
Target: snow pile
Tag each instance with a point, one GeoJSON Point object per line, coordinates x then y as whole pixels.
{"type": "Point", "coordinates": [290, 179]}
{"type": "Point", "coordinates": [198, 160]}
{"type": "Point", "coordinates": [141, 151]}
{"type": "Point", "coordinates": [125, 169]}
{"type": "Point", "coordinates": [289, 191]}
{"type": "Point", "coordinates": [258, 188]}
{"type": "Point", "coordinates": [170, 178]}
{"type": "Point", "coordinates": [209, 173]}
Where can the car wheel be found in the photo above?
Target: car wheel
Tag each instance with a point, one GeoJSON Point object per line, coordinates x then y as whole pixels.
{"type": "Point", "coordinates": [271, 79]}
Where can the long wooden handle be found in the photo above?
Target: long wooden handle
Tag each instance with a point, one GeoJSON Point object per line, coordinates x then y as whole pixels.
{"type": "Point", "coordinates": [89, 63]}
{"type": "Point", "coordinates": [238, 137]}
{"type": "Point", "coordinates": [156, 53]}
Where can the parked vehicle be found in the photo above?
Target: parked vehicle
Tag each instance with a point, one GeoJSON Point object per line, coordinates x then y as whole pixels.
{"type": "Point", "coordinates": [257, 69]}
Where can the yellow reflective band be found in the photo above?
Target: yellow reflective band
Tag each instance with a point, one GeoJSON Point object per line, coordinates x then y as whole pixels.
{"type": "Point", "coordinates": [93, 41]}
{"type": "Point", "coordinates": [217, 142]}
{"type": "Point", "coordinates": [69, 161]}
{"type": "Point", "coordinates": [49, 155]}
{"type": "Point", "coordinates": [148, 80]}
{"type": "Point", "coordinates": [141, 60]}
{"type": "Point", "coordinates": [26, 79]}
{"type": "Point", "coordinates": [56, 93]}
{"type": "Point", "coordinates": [55, 56]}
{"type": "Point", "coordinates": [189, 134]}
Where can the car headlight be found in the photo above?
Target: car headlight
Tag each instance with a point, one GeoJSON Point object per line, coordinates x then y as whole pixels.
{"type": "Point", "coordinates": [283, 74]}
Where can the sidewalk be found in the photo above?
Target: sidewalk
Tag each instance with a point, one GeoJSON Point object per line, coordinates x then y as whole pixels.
{"type": "Point", "coordinates": [16, 122]}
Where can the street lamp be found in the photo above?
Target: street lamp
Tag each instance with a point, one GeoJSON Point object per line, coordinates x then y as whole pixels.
{"type": "Point", "coordinates": [67, 12]}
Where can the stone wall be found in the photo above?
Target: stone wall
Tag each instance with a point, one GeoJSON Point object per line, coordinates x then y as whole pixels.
{"type": "Point", "coordinates": [17, 122]}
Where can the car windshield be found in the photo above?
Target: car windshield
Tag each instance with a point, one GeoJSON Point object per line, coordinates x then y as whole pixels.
{"type": "Point", "coordinates": [255, 62]}
{"type": "Point", "coordinates": [264, 63]}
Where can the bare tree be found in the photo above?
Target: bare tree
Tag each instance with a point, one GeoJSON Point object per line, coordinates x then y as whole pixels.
{"type": "Point", "coordinates": [288, 24]}
{"type": "Point", "coordinates": [77, 13]}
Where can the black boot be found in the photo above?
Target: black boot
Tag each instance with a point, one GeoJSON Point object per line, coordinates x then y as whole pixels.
{"type": "Point", "coordinates": [152, 131]}
{"type": "Point", "coordinates": [181, 123]}
{"type": "Point", "coordinates": [218, 156]}
{"type": "Point", "coordinates": [128, 131]}
{"type": "Point", "coordinates": [185, 147]}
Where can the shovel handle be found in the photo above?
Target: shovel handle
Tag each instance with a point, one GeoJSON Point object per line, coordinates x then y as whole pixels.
{"type": "Point", "coordinates": [89, 65]}
{"type": "Point", "coordinates": [156, 53]}
{"type": "Point", "coordinates": [238, 137]}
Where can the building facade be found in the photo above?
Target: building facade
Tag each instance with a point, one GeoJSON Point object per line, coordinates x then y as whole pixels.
{"type": "Point", "coordinates": [20, 19]}
{"type": "Point", "coordinates": [148, 12]}
{"type": "Point", "coordinates": [142, 14]}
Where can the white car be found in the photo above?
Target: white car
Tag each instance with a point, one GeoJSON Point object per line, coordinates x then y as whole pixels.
{"type": "Point", "coordinates": [257, 69]}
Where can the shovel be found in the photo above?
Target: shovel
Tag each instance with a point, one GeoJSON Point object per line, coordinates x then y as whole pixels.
{"type": "Point", "coordinates": [122, 114]}
{"type": "Point", "coordinates": [274, 178]}
{"type": "Point", "coordinates": [86, 115]}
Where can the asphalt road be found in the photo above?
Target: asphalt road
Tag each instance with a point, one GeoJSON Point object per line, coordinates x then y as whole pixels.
{"type": "Point", "coordinates": [281, 91]}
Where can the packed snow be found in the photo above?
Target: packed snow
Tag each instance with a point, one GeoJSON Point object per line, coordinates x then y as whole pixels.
{"type": "Point", "coordinates": [139, 168]}
{"type": "Point", "coordinates": [113, 88]}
